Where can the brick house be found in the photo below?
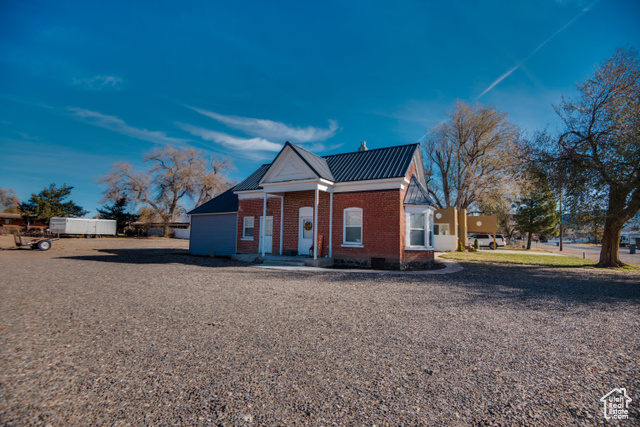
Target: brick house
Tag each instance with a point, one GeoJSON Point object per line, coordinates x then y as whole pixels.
{"type": "Point", "coordinates": [368, 208]}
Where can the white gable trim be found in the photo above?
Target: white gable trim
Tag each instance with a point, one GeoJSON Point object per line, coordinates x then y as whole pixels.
{"type": "Point", "coordinates": [370, 185]}
{"type": "Point", "coordinates": [288, 166]}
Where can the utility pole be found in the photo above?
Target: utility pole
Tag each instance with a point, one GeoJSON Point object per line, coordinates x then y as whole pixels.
{"type": "Point", "coordinates": [561, 231]}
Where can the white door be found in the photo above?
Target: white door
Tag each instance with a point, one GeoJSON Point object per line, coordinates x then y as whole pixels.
{"type": "Point", "coordinates": [305, 231]}
{"type": "Point", "coordinates": [268, 235]}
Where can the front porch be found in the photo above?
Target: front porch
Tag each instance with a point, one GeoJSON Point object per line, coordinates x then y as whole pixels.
{"type": "Point", "coordinates": [269, 259]}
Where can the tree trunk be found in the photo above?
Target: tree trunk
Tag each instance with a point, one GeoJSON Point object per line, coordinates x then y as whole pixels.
{"type": "Point", "coordinates": [166, 228]}
{"type": "Point", "coordinates": [529, 240]}
{"type": "Point", "coordinates": [609, 256]}
{"type": "Point", "coordinates": [613, 223]}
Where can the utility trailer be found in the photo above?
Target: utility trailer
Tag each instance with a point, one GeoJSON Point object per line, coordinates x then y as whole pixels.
{"type": "Point", "coordinates": [83, 227]}
{"type": "Point", "coordinates": [33, 242]}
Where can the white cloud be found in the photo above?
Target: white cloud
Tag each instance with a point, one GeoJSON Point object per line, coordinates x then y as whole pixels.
{"type": "Point", "coordinates": [246, 144]}
{"type": "Point", "coordinates": [273, 130]}
{"type": "Point", "coordinates": [99, 82]}
{"type": "Point", "coordinates": [118, 125]}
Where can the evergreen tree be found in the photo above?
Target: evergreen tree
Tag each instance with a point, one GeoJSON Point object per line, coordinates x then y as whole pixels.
{"type": "Point", "coordinates": [49, 203]}
{"type": "Point", "coordinates": [118, 211]}
{"type": "Point", "coordinates": [537, 213]}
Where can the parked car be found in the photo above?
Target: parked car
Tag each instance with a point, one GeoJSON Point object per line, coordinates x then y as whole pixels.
{"type": "Point", "coordinates": [486, 240]}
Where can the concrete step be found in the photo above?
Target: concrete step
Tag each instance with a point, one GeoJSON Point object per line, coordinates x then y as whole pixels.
{"type": "Point", "coordinates": [287, 263]}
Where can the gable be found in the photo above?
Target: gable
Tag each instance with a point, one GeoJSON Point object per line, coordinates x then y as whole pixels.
{"type": "Point", "coordinates": [288, 166]}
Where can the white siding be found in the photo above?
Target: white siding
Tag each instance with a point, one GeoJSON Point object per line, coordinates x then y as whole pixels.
{"type": "Point", "coordinates": [213, 233]}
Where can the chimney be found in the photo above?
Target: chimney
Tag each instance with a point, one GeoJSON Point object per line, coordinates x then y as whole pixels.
{"type": "Point", "coordinates": [363, 146]}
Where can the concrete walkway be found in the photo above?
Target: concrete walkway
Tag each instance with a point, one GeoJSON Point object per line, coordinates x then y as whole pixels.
{"type": "Point", "coordinates": [529, 252]}
{"type": "Point", "coordinates": [450, 267]}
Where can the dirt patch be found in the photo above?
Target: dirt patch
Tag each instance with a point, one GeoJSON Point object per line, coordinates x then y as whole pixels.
{"type": "Point", "coordinates": [70, 246]}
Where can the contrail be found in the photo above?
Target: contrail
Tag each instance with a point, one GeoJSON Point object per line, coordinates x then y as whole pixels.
{"type": "Point", "coordinates": [508, 73]}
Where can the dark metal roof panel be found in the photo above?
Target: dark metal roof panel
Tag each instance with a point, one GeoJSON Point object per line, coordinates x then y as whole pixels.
{"type": "Point", "coordinates": [390, 162]}
{"type": "Point", "coordinates": [417, 194]}
{"type": "Point", "coordinates": [252, 182]}
{"type": "Point", "coordinates": [225, 202]}
{"type": "Point", "coordinates": [380, 163]}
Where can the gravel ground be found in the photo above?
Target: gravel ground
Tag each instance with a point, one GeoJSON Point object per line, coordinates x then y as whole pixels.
{"type": "Point", "coordinates": [155, 337]}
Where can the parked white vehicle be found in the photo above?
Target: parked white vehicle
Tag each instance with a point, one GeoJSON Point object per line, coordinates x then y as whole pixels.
{"type": "Point", "coordinates": [486, 240]}
{"type": "Point", "coordinates": [83, 226]}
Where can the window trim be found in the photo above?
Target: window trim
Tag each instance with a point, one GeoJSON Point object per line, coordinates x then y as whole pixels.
{"type": "Point", "coordinates": [428, 229]}
{"type": "Point", "coordinates": [345, 243]}
{"type": "Point", "coordinates": [244, 228]}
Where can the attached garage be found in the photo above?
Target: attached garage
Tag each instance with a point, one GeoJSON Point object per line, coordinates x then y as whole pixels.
{"type": "Point", "coordinates": [213, 226]}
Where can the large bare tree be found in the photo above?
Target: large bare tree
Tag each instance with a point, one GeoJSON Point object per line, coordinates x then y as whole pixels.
{"type": "Point", "coordinates": [601, 146]}
{"type": "Point", "coordinates": [174, 175]}
{"type": "Point", "coordinates": [9, 202]}
{"type": "Point", "coordinates": [469, 155]}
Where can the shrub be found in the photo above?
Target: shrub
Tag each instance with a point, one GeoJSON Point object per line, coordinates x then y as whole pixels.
{"type": "Point", "coordinates": [476, 245]}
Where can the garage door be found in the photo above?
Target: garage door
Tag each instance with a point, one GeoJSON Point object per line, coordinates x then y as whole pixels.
{"type": "Point", "coordinates": [213, 233]}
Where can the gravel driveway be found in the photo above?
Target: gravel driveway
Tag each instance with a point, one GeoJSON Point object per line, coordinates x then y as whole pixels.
{"type": "Point", "coordinates": [152, 337]}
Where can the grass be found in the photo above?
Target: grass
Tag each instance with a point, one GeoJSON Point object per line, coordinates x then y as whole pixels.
{"type": "Point", "coordinates": [526, 259]}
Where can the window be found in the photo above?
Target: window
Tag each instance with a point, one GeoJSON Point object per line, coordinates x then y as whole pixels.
{"type": "Point", "coordinates": [419, 228]}
{"type": "Point", "coordinates": [416, 230]}
{"type": "Point", "coordinates": [247, 228]}
{"type": "Point", "coordinates": [441, 230]}
{"type": "Point", "coordinates": [353, 226]}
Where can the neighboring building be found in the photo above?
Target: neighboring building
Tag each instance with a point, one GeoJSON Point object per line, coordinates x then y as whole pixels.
{"type": "Point", "coordinates": [452, 223]}
{"type": "Point", "coordinates": [15, 221]}
{"type": "Point", "coordinates": [368, 208]}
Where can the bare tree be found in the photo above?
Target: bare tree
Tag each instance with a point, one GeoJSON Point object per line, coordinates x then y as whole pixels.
{"type": "Point", "coordinates": [173, 176]}
{"type": "Point", "coordinates": [9, 202]}
{"type": "Point", "coordinates": [470, 154]}
{"type": "Point", "coordinates": [601, 146]}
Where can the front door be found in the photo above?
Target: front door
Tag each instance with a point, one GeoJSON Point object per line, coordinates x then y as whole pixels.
{"type": "Point", "coordinates": [305, 239]}
{"type": "Point", "coordinates": [268, 235]}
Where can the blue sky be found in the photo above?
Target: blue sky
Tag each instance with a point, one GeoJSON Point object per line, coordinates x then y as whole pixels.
{"type": "Point", "coordinates": [86, 83]}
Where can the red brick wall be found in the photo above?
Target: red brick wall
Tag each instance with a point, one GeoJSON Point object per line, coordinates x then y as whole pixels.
{"type": "Point", "coordinates": [381, 211]}
{"type": "Point", "coordinates": [383, 224]}
{"type": "Point", "coordinates": [295, 200]}
{"type": "Point", "coordinates": [253, 207]}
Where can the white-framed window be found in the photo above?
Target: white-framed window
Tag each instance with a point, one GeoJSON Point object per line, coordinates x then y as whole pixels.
{"type": "Point", "coordinates": [352, 228]}
{"type": "Point", "coordinates": [419, 228]}
{"type": "Point", "coordinates": [416, 229]}
{"type": "Point", "coordinates": [441, 230]}
{"type": "Point", "coordinates": [247, 228]}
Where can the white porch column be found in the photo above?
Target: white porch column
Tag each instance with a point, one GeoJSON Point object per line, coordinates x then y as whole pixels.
{"type": "Point", "coordinates": [281, 220]}
{"type": "Point", "coordinates": [315, 225]}
{"type": "Point", "coordinates": [331, 224]}
{"type": "Point", "coordinates": [263, 223]}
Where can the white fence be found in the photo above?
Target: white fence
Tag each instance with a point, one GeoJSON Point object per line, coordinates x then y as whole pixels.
{"type": "Point", "coordinates": [181, 233]}
{"type": "Point", "coordinates": [178, 233]}
{"type": "Point", "coordinates": [446, 243]}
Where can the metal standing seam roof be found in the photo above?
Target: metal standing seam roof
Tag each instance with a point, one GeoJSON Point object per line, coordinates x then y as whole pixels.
{"type": "Point", "coordinates": [225, 202]}
{"type": "Point", "coordinates": [379, 163]}
{"type": "Point", "coordinates": [417, 194]}
{"type": "Point", "coordinates": [251, 183]}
